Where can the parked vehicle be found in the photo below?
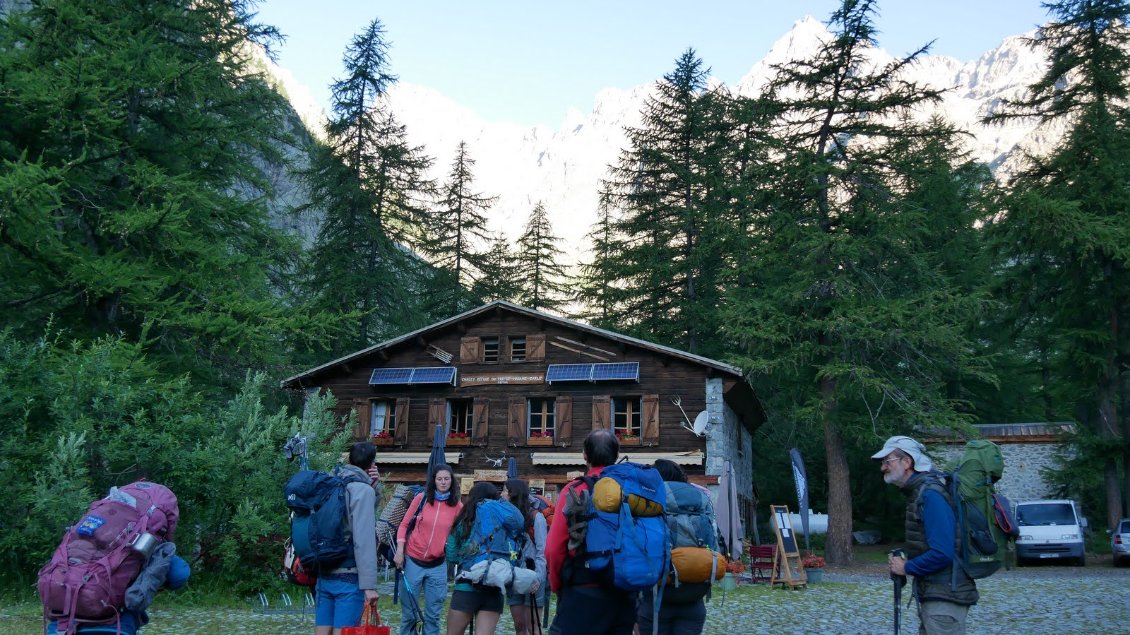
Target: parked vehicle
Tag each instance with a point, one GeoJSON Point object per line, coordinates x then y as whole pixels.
{"type": "Point", "coordinates": [1120, 543]}
{"type": "Point", "coordinates": [1050, 530]}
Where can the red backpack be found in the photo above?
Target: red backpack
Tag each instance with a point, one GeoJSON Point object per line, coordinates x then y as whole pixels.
{"type": "Point", "coordinates": [99, 557]}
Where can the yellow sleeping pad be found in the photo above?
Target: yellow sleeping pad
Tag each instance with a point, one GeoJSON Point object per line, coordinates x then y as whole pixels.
{"type": "Point", "coordinates": [697, 564]}
{"type": "Point", "coordinates": [607, 495]}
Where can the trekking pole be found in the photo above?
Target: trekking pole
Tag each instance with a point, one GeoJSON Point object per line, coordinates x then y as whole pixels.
{"type": "Point", "coordinates": [899, 582]}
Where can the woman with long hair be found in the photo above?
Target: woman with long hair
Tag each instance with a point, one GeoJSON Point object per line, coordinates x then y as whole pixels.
{"type": "Point", "coordinates": [486, 529]}
{"type": "Point", "coordinates": [523, 608]}
{"type": "Point", "coordinates": [420, 543]}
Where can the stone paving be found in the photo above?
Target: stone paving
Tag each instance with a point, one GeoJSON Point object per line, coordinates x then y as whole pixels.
{"type": "Point", "coordinates": [1044, 600]}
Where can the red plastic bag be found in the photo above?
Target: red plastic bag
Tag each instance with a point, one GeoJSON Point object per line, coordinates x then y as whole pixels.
{"type": "Point", "coordinates": [370, 624]}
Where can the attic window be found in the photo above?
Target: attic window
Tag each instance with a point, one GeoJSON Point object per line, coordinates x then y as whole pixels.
{"type": "Point", "coordinates": [517, 349]}
{"type": "Point", "coordinates": [490, 350]}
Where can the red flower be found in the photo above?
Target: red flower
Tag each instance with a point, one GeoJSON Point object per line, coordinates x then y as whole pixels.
{"type": "Point", "coordinates": [812, 561]}
{"type": "Point", "coordinates": [456, 435]}
{"type": "Point", "coordinates": [383, 434]}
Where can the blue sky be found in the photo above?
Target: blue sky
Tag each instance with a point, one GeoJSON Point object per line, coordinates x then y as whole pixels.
{"type": "Point", "coordinates": [528, 62]}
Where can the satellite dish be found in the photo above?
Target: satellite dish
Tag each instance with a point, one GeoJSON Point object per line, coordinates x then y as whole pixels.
{"type": "Point", "coordinates": [700, 423]}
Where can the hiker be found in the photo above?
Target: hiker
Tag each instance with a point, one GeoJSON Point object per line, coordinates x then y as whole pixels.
{"type": "Point", "coordinates": [523, 608]}
{"type": "Point", "coordinates": [162, 569]}
{"type": "Point", "coordinates": [340, 595]}
{"type": "Point", "coordinates": [682, 609]}
{"type": "Point", "coordinates": [943, 594]}
{"type": "Point", "coordinates": [420, 542]}
{"type": "Point", "coordinates": [585, 606]}
{"type": "Point", "coordinates": [486, 530]}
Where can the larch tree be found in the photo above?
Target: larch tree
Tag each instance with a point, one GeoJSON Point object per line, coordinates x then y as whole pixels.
{"type": "Point", "coordinates": [1067, 221]}
{"type": "Point", "coordinates": [544, 282]}
{"type": "Point", "coordinates": [846, 319]}
{"type": "Point", "coordinates": [501, 277]}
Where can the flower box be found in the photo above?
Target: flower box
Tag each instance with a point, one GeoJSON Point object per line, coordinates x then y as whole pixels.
{"type": "Point", "coordinates": [629, 440]}
{"type": "Point", "coordinates": [382, 441]}
{"type": "Point", "coordinates": [545, 441]}
{"type": "Point", "coordinates": [458, 440]}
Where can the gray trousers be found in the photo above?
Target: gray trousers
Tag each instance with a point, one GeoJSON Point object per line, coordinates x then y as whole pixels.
{"type": "Point", "coordinates": [941, 618]}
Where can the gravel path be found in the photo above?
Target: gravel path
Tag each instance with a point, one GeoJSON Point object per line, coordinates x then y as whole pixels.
{"type": "Point", "coordinates": [1036, 601]}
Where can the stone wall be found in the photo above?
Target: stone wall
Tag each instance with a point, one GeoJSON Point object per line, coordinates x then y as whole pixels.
{"type": "Point", "coordinates": [1024, 464]}
{"type": "Point", "coordinates": [728, 440]}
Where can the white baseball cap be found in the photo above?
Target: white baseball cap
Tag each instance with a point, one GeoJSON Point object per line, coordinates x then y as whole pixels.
{"type": "Point", "coordinates": [916, 450]}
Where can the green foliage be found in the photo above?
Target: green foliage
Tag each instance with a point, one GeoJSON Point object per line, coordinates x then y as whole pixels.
{"type": "Point", "coordinates": [544, 284]}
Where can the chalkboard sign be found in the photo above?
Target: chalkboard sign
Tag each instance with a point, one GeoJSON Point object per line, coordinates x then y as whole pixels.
{"type": "Point", "coordinates": [786, 569]}
{"type": "Point", "coordinates": [784, 527]}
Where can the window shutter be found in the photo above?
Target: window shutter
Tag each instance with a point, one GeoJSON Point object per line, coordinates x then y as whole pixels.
{"type": "Point", "coordinates": [601, 412]}
{"type": "Point", "coordinates": [535, 348]}
{"type": "Point", "coordinates": [469, 350]}
{"type": "Point", "coordinates": [563, 435]}
{"type": "Point", "coordinates": [516, 421]}
{"type": "Point", "coordinates": [362, 428]}
{"type": "Point", "coordinates": [650, 424]}
{"type": "Point", "coordinates": [437, 415]}
{"type": "Point", "coordinates": [480, 421]}
{"type": "Point", "coordinates": [400, 433]}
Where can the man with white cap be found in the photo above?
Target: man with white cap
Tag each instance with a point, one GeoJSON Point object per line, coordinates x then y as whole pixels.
{"type": "Point", "coordinates": [941, 586]}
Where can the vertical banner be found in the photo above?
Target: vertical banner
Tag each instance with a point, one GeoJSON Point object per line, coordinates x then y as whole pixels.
{"type": "Point", "coordinates": [801, 480]}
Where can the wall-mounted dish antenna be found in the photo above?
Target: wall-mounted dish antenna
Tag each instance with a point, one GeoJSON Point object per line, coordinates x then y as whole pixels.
{"type": "Point", "coordinates": [700, 423]}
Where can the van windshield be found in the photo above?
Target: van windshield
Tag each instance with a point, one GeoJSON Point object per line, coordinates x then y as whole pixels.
{"type": "Point", "coordinates": [1045, 514]}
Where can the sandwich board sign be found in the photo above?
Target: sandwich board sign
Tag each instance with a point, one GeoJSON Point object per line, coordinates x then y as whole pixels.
{"type": "Point", "coordinates": [787, 570]}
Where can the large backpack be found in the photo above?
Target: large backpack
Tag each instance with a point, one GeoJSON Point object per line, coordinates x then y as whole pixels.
{"type": "Point", "coordinates": [625, 542]}
{"type": "Point", "coordinates": [319, 523]}
{"type": "Point", "coordinates": [86, 579]}
{"type": "Point", "coordinates": [984, 518]}
{"type": "Point", "coordinates": [392, 516]}
{"type": "Point", "coordinates": [695, 561]}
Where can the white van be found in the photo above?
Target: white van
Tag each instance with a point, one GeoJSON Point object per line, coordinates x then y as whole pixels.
{"type": "Point", "coordinates": [1050, 529]}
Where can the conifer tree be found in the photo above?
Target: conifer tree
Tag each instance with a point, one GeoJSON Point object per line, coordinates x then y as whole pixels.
{"type": "Point", "coordinates": [544, 283]}
{"type": "Point", "coordinates": [457, 236]}
{"type": "Point", "coordinates": [501, 278]}
{"type": "Point", "coordinates": [667, 185]}
{"type": "Point", "coordinates": [133, 133]}
{"type": "Point", "coordinates": [368, 186]}
{"type": "Point", "coordinates": [1063, 240]}
{"type": "Point", "coordinates": [597, 284]}
{"type": "Point", "coordinates": [847, 320]}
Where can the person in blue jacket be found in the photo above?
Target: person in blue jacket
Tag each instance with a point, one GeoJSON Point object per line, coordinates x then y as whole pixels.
{"type": "Point", "coordinates": [164, 570]}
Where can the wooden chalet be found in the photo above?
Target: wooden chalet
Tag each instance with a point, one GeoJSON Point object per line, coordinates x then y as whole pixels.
{"type": "Point", "coordinates": [507, 381]}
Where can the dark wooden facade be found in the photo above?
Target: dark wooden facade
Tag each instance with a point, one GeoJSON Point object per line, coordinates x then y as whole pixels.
{"type": "Point", "coordinates": [501, 353]}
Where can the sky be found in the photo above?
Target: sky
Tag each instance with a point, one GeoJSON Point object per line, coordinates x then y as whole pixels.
{"type": "Point", "coordinates": [530, 62]}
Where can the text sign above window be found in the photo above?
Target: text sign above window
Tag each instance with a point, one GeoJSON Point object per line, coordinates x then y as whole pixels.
{"type": "Point", "coordinates": [501, 379]}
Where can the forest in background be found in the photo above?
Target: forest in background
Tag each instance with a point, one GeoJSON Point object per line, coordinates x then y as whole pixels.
{"type": "Point", "coordinates": [869, 277]}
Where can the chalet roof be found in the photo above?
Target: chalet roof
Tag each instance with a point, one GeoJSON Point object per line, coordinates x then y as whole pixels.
{"type": "Point", "coordinates": [301, 378]}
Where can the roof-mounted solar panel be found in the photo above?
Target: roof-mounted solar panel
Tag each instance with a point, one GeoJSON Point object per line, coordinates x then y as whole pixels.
{"type": "Point", "coordinates": [621, 371]}
{"type": "Point", "coordinates": [412, 376]}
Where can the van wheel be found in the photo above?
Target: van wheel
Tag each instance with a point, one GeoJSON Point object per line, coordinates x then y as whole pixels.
{"type": "Point", "coordinates": [1081, 561]}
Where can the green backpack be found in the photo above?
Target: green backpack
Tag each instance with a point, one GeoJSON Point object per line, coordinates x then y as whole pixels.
{"type": "Point", "coordinates": [984, 518]}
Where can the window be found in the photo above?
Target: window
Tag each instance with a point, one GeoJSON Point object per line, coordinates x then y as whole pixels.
{"type": "Point", "coordinates": [459, 415]}
{"type": "Point", "coordinates": [626, 416]}
{"type": "Point", "coordinates": [517, 349]}
{"type": "Point", "coordinates": [540, 421]}
{"type": "Point", "coordinates": [490, 350]}
{"type": "Point", "coordinates": [382, 417]}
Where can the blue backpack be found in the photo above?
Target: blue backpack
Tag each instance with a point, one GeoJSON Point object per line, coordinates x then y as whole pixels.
{"type": "Point", "coordinates": [622, 547]}
{"type": "Point", "coordinates": [319, 524]}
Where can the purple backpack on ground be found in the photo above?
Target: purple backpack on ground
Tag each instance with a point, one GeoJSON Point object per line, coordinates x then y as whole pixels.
{"type": "Point", "coordinates": [86, 580]}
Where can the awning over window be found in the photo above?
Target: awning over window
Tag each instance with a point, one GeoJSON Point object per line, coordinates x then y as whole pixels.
{"type": "Point", "coordinates": [620, 371]}
{"type": "Point", "coordinates": [414, 458]}
{"type": "Point", "coordinates": [411, 376]}
{"type": "Point", "coordinates": [647, 458]}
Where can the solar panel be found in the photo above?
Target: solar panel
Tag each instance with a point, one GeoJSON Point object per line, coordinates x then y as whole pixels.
{"type": "Point", "coordinates": [620, 371]}
{"type": "Point", "coordinates": [568, 372]}
{"type": "Point", "coordinates": [409, 376]}
{"type": "Point", "coordinates": [617, 371]}
{"type": "Point", "coordinates": [390, 376]}
{"type": "Point", "coordinates": [434, 375]}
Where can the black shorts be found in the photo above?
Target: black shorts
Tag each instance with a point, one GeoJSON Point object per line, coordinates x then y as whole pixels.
{"type": "Point", "coordinates": [480, 599]}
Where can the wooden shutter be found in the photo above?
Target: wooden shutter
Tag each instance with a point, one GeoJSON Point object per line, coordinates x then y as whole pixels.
{"type": "Point", "coordinates": [469, 350]}
{"type": "Point", "coordinates": [650, 420]}
{"type": "Point", "coordinates": [400, 432]}
{"type": "Point", "coordinates": [516, 421]}
{"type": "Point", "coordinates": [480, 421]}
{"type": "Point", "coordinates": [563, 435]}
{"type": "Point", "coordinates": [602, 412]}
{"type": "Point", "coordinates": [362, 429]}
{"type": "Point", "coordinates": [437, 414]}
{"type": "Point", "coordinates": [535, 348]}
